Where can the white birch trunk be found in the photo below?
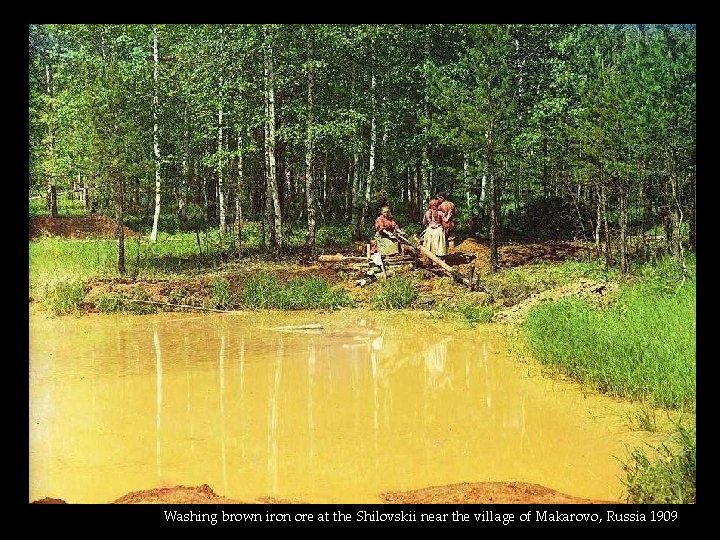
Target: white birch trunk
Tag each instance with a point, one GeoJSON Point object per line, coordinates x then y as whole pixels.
{"type": "Point", "coordinates": [373, 140]}
{"type": "Point", "coordinates": [221, 185]}
{"type": "Point", "coordinates": [270, 147]}
{"type": "Point", "coordinates": [156, 138]}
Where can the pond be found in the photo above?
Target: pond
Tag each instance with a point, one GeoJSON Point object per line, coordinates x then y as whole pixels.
{"type": "Point", "coordinates": [371, 402]}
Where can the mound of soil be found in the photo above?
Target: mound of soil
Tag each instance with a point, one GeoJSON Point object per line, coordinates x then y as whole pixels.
{"type": "Point", "coordinates": [76, 227]}
{"type": "Point", "coordinates": [511, 255]}
{"type": "Point", "coordinates": [466, 493]}
{"type": "Point", "coordinates": [485, 493]}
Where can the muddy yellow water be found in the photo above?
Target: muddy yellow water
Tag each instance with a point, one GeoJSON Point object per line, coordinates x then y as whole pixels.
{"type": "Point", "coordinates": [371, 402]}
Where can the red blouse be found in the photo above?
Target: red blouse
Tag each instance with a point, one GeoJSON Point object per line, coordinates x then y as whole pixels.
{"type": "Point", "coordinates": [385, 224]}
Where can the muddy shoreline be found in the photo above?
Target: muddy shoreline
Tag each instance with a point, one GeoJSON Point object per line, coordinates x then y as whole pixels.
{"type": "Point", "coordinates": [464, 493]}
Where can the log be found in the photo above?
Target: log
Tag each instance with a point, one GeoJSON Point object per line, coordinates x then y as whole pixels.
{"type": "Point", "coordinates": [339, 257]}
{"type": "Point", "coordinates": [176, 305]}
{"type": "Point", "coordinates": [452, 272]}
{"type": "Point", "coordinates": [314, 326]}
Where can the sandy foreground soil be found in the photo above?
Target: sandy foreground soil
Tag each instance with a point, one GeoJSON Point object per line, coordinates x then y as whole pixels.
{"type": "Point", "coordinates": [465, 493]}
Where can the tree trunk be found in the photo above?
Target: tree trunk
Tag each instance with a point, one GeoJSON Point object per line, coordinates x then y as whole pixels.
{"type": "Point", "coordinates": [371, 168]}
{"type": "Point", "coordinates": [221, 183]}
{"type": "Point", "coordinates": [267, 210]}
{"type": "Point", "coordinates": [156, 137]}
{"type": "Point", "coordinates": [52, 188]}
{"type": "Point", "coordinates": [238, 196]}
{"type": "Point", "coordinates": [492, 186]}
{"type": "Point", "coordinates": [356, 196]}
{"type": "Point", "coordinates": [120, 232]}
{"type": "Point", "coordinates": [309, 181]}
{"type": "Point", "coordinates": [622, 218]}
{"type": "Point", "coordinates": [272, 185]}
{"type": "Point", "coordinates": [598, 221]}
{"type": "Point", "coordinates": [691, 219]}
{"type": "Point", "coordinates": [185, 167]}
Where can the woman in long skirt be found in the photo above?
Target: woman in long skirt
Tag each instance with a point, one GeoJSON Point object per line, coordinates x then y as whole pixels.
{"type": "Point", "coordinates": [434, 237]}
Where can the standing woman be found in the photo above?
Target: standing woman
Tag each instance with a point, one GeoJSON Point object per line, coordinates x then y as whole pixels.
{"type": "Point", "coordinates": [434, 237]}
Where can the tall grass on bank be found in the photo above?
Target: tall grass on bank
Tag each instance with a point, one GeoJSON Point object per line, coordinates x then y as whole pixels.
{"type": "Point", "coordinates": [58, 260]}
{"type": "Point", "coordinates": [265, 292]}
{"type": "Point", "coordinates": [65, 297]}
{"type": "Point", "coordinates": [668, 479]}
{"type": "Point", "coordinates": [641, 347]}
{"type": "Point", "coordinates": [395, 293]}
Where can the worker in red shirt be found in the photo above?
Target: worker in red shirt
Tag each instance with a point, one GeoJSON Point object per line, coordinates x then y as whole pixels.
{"type": "Point", "coordinates": [449, 211]}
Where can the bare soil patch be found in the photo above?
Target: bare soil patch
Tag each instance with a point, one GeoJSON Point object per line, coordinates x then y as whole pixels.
{"type": "Point", "coordinates": [76, 227]}
{"type": "Point", "coordinates": [465, 493]}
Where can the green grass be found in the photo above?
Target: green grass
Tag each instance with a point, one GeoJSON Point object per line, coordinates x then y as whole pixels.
{"type": "Point", "coordinates": [265, 292]}
{"type": "Point", "coordinates": [517, 284]}
{"type": "Point", "coordinates": [57, 260]}
{"type": "Point", "coordinates": [474, 313]}
{"type": "Point", "coordinates": [66, 207]}
{"type": "Point", "coordinates": [65, 297]}
{"type": "Point", "coordinates": [668, 478]}
{"type": "Point", "coordinates": [395, 293]}
{"type": "Point", "coordinates": [221, 297]}
{"type": "Point", "coordinates": [640, 347]}
{"type": "Point", "coordinates": [134, 301]}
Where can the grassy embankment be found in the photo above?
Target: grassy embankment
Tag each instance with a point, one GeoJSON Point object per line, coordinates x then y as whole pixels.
{"type": "Point", "coordinates": [640, 347]}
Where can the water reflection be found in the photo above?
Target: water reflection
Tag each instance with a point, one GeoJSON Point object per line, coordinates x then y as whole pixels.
{"type": "Point", "coordinates": [365, 405]}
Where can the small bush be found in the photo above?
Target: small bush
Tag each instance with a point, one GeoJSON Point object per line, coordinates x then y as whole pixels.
{"type": "Point", "coordinates": [261, 292]}
{"type": "Point", "coordinates": [670, 478]}
{"type": "Point", "coordinates": [475, 313]}
{"type": "Point", "coordinates": [66, 297]}
{"type": "Point", "coordinates": [264, 292]}
{"type": "Point", "coordinates": [135, 302]}
{"type": "Point", "coordinates": [312, 293]}
{"type": "Point", "coordinates": [110, 303]}
{"type": "Point", "coordinates": [395, 293]}
{"type": "Point", "coordinates": [221, 297]}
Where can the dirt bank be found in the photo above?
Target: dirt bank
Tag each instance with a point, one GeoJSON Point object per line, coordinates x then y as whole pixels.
{"type": "Point", "coordinates": [466, 493]}
{"type": "Point", "coordinates": [76, 227]}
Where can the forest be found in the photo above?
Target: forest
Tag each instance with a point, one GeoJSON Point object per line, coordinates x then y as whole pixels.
{"type": "Point", "coordinates": [535, 131]}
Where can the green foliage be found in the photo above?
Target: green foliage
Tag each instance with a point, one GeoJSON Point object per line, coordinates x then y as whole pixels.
{"type": "Point", "coordinates": [313, 293]}
{"type": "Point", "coordinates": [395, 293]}
{"type": "Point", "coordinates": [662, 276]}
{"type": "Point", "coordinates": [642, 346]}
{"type": "Point", "coordinates": [65, 297]}
{"type": "Point", "coordinates": [334, 235]}
{"type": "Point", "coordinates": [474, 313]}
{"type": "Point", "coordinates": [265, 292]}
{"type": "Point", "coordinates": [135, 302]}
{"type": "Point", "coordinates": [517, 284]}
{"type": "Point", "coordinates": [261, 292]}
{"type": "Point", "coordinates": [221, 297]}
{"type": "Point", "coordinates": [66, 207]}
{"type": "Point", "coordinates": [669, 478]}
{"type": "Point", "coordinates": [110, 303]}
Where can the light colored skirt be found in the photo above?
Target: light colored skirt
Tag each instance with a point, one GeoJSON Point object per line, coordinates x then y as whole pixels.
{"type": "Point", "coordinates": [386, 246]}
{"type": "Point", "coordinates": [434, 241]}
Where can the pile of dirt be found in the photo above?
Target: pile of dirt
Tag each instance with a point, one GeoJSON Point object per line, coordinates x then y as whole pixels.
{"type": "Point", "coordinates": [595, 291]}
{"type": "Point", "coordinates": [511, 255]}
{"type": "Point", "coordinates": [466, 493]}
{"type": "Point", "coordinates": [485, 493]}
{"type": "Point", "coordinates": [76, 227]}
{"type": "Point", "coordinates": [175, 495]}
